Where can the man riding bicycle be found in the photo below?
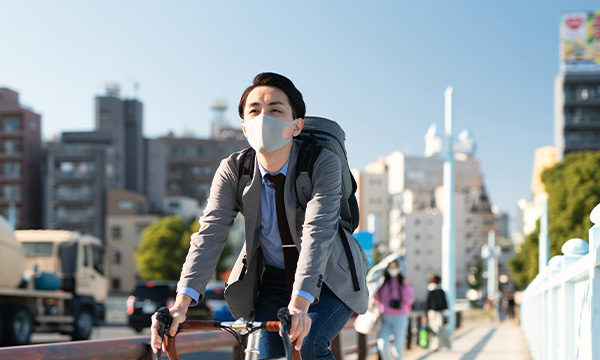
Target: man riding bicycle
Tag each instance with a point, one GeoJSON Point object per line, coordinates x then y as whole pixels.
{"type": "Point", "coordinates": [292, 256]}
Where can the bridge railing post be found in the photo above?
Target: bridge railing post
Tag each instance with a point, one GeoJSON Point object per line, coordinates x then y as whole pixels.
{"type": "Point", "coordinates": [594, 239]}
{"type": "Point", "coordinates": [553, 332]}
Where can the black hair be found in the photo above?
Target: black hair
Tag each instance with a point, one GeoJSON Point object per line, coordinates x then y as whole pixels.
{"type": "Point", "coordinates": [282, 83]}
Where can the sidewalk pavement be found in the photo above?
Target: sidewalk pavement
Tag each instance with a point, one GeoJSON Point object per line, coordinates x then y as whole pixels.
{"type": "Point", "coordinates": [480, 341]}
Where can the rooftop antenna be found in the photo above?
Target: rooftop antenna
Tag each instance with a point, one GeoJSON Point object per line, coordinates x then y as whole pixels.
{"type": "Point", "coordinates": [218, 107]}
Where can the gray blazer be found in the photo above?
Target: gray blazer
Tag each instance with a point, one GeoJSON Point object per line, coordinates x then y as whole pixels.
{"type": "Point", "coordinates": [322, 258]}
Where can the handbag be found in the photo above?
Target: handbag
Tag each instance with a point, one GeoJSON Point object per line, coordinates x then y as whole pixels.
{"type": "Point", "coordinates": [369, 322]}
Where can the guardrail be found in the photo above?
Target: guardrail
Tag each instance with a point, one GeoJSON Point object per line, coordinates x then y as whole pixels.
{"type": "Point", "coordinates": [188, 342]}
{"type": "Point", "coordinates": [560, 309]}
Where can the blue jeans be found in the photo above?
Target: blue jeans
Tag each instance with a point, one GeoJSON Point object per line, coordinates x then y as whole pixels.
{"type": "Point", "coordinates": [392, 325]}
{"type": "Point", "coordinates": [328, 317]}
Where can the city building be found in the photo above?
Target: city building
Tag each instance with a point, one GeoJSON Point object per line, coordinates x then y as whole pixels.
{"type": "Point", "coordinates": [21, 159]}
{"type": "Point", "coordinates": [529, 211]}
{"type": "Point", "coordinates": [414, 203]}
{"type": "Point", "coordinates": [577, 86]}
{"type": "Point", "coordinates": [373, 202]}
{"type": "Point", "coordinates": [126, 219]}
{"type": "Point", "coordinates": [123, 119]}
{"type": "Point", "coordinates": [186, 208]}
{"type": "Point", "coordinates": [77, 172]}
{"type": "Point", "coordinates": [185, 166]}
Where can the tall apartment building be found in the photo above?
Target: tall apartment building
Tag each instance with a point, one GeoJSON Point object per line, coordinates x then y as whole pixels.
{"type": "Point", "coordinates": [185, 166]}
{"type": "Point", "coordinates": [414, 206]}
{"type": "Point", "coordinates": [416, 216]}
{"type": "Point", "coordinates": [577, 87]}
{"type": "Point", "coordinates": [78, 170]}
{"type": "Point", "coordinates": [576, 112]}
{"type": "Point", "coordinates": [21, 159]}
{"type": "Point", "coordinates": [123, 118]}
{"type": "Point", "coordinates": [374, 203]}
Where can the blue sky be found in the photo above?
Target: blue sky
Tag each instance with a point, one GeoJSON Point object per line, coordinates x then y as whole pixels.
{"type": "Point", "coordinates": [379, 68]}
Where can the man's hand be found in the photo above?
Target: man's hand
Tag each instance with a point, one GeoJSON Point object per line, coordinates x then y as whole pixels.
{"type": "Point", "coordinates": [301, 322]}
{"type": "Point", "coordinates": [178, 312]}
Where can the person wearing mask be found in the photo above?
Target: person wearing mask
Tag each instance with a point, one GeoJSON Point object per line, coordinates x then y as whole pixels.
{"type": "Point", "coordinates": [291, 257]}
{"type": "Point", "coordinates": [436, 304]}
{"type": "Point", "coordinates": [394, 299]}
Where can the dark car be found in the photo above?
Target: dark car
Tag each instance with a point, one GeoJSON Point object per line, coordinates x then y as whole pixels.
{"type": "Point", "coordinates": [148, 296]}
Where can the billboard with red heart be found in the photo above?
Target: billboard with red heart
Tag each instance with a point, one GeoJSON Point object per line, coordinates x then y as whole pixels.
{"type": "Point", "coordinates": [580, 42]}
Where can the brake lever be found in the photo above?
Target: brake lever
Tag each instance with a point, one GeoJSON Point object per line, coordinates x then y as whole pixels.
{"type": "Point", "coordinates": [285, 322]}
{"type": "Point", "coordinates": [164, 318]}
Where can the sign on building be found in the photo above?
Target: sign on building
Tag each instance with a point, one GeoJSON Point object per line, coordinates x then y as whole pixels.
{"type": "Point", "coordinates": [365, 240]}
{"type": "Point", "coordinates": [580, 42]}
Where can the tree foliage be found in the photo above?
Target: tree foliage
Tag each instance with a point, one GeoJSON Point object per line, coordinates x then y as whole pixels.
{"type": "Point", "coordinates": [164, 246]}
{"type": "Point", "coordinates": [573, 188]}
{"type": "Point", "coordinates": [524, 266]}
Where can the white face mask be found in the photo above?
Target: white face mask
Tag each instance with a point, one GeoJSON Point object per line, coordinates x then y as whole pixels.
{"type": "Point", "coordinates": [393, 272]}
{"type": "Point", "coordinates": [266, 134]}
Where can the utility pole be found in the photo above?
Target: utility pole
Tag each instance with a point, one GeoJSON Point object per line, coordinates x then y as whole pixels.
{"type": "Point", "coordinates": [448, 231]}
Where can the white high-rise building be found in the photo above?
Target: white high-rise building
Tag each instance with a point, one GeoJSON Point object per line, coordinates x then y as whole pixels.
{"type": "Point", "coordinates": [415, 211]}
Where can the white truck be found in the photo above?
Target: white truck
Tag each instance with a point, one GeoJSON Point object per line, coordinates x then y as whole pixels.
{"type": "Point", "coordinates": [50, 281]}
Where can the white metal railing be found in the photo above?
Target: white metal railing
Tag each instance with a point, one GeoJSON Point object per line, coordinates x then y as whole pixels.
{"type": "Point", "coordinates": [560, 309]}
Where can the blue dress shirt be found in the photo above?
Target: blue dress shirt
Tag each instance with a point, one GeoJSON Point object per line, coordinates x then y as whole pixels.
{"type": "Point", "coordinates": [270, 240]}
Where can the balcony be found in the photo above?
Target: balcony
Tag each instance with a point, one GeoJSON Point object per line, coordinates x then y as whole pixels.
{"type": "Point", "coordinates": [74, 218]}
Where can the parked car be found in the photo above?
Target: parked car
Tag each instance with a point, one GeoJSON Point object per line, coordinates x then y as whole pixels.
{"type": "Point", "coordinates": [148, 296]}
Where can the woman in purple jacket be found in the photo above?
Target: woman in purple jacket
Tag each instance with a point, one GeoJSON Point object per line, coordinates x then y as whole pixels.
{"type": "Point", "coordinates": [394, 299]}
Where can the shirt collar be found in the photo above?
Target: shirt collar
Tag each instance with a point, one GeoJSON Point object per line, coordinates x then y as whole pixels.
{"type": "Point", "coordinates": [283, 170]}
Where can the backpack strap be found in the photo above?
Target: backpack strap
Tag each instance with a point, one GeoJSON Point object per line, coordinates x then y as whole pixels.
{"type": "Point", "coordinates": [307, 156]}
{"type": "Point", "coordinates": [349, 256]}
{"type": "Point", "coordinates": [245, 172]}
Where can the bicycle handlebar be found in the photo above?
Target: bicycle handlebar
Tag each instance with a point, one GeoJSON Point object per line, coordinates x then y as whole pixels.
{"type": "Point", "coordinates": [242, 327]}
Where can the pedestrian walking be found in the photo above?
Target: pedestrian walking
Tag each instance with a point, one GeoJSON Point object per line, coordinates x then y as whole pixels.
{"type": "Point", "coordinates": [436, 304]}
{"type": "Point", "coordinates": [394, 299]}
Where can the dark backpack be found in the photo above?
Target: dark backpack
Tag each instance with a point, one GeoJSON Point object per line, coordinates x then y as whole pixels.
{"type": "Point", "coordinates": [318, 133]}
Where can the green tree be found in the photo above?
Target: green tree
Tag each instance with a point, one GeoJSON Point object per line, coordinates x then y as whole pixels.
{"type": "Point", "coordinates": [164, 246]}
{"type": "Point", "coordinates": [162, 249]}
{"type": "Point", "coordinates": [573, 188]}
{"type": "Point", "coordinates": [524, 266]}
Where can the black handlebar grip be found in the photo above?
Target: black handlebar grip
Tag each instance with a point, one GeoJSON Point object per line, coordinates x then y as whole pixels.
{"type": "Point", "coordinates": [163, 315]}
{"type": "Point", "coordinates": [283, 314]}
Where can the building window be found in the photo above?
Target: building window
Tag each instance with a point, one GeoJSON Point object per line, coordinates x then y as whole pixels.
{"type": "Point", "coordinates": [417, 252]}
{"type": "Point", "coordinates": [116, 284]}
{"type": "Point", "coordinates": [12, 147]}
{"type": "Point", "coordinates": [177, 150]}
{"type": "Point", "coordinates": [417, 222]}
{"type": "Point", "coordinates": [12, 169]}
{"type": "Point", "coordinates": [115, 256]}
{"type": "Point", "coordinates": [32, 125]}
{"type": "Point", "coordinates": [12, 124]}
{"type": "Point", "coordinates": [12, 192]}
{"type": "Point", "coordinates": [125, 205]}
{"type": "Point", "coordinates": [116, 232]}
